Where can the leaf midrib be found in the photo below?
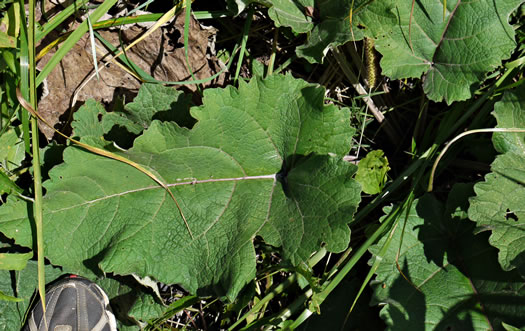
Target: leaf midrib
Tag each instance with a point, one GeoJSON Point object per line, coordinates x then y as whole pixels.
{"type": "Point", "coordinates": [204, 181]}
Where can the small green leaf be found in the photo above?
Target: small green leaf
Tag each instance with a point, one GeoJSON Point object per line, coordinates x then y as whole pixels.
{"type": "Point", "coordinates": [154, 102]}
{"type": "Point", "coordinates": [371, 172]}
{"type": "Point", "coordinates": [291, 14]}
{"type": "Point", "coordinates": [132, 304]}
{"type": "Point", "coordinates": [87, 120]}
{"type": "Point", "coordinates": [7, 185]}
{"type": "Point", "coordinates": [509, 327]}
{"type": "Point", "coordinates": [12, 151]}
{"type": "Point", "coordinates": [14, 261]}
{"type": "Point", "coordinates": [6, 41]}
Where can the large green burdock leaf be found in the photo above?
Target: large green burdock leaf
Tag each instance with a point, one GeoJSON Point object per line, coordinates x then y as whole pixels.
{"type": "Point", "coordinates": [460, 285]}
{"type": "Point", "coordinates": [265, 159]}
{"type": "Point", "coordinates": [499, 202]}
{"type": "Point", "coordinates": [452, 53]}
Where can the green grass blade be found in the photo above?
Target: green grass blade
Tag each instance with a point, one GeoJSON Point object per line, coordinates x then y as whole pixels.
{"type": "Point", "coordinates": [37, 176]}
{"type": "Point", "coordinates": [144, 76]}
{"type": "Point", "coordinates": [245, 33]}
{"type": "Point", "coordinates": [276, 291]}
{"type": "Point", "coordinates": [382, 252]}
{"type": "Point", "coordinates": [58, 19]}
{"type": "Point", "coordinates": [72, 40]}
{"type": "Point", "coordinates": [93, 47]}
{"type": "Point", "coordinates": [285, 64]}
{"type": "Point", "coordinates": [24, 78]}
{"type": "Point", "coordinates": [200, 15]}
{"type": "Point", "coordinates": [174, 308]}
{"type": "Point", "coordinates": [187, 18]}
{"type": "Point", "coordinates": [141, 6]}
{"type": "Point", "coordinates": [147, 78]}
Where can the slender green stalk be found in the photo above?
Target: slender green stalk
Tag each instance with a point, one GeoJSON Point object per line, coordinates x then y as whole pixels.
{"type": "Point", "coordinates": [187, 23]}
{"type": "Point", "coordinates": [285, 64]}
{"type": "Point", "coordinates": [24, 77]}
{"type": "Point", "coordinates": [290, 310]}
{"type": "Point", "coordinates": [330, 285]}
{"type": "Point", "coordinates": [147, 78]}
{"type": "Point", "coordinates": [276, 291]}
{"type": "Point", "coordinates": [316, 258]}
{"type": "Point", "coordinates": [145, 4]}
{"type": "Point", "coordinates": [373, 269]}
{"type": "Point", "coordinates": [37, 176]}
{"type": "Point", "coordinates": [245, 33]}
{"type": "Point", "coordinates": [359, 144]}
{"type": "Point", "coordinates": [360, 252]}
{"type": "Point", "coordinates": [274, 52]}
{"type": "Point", "coordinates": [466, 133]}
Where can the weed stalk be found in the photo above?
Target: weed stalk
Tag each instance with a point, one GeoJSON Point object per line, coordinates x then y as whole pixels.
{"type": "Point", "coordinates": [37, 175]}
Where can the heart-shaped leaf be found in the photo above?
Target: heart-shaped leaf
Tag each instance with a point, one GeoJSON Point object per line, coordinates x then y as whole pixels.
{"type": "Point", "coordinates": [264, 160]}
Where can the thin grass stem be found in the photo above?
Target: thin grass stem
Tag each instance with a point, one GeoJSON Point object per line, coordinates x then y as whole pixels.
{"type": "Point", "coordinates": [330, 285]}
{"type": "Point", "coordinates": [37, 174]}
{"type": "Point", "coordinates": [187, 22]}
{"type": "Point", "coordinates": [24, 77]}
{"type": "Point", "coordinates": [274, 52]}
{"type": "Point", "coordinates": [466, 133]}
{"type": "Point", "coordinates": [245, 34]}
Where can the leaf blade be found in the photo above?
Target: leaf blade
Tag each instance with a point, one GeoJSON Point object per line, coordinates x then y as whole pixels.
{"type": "Point", "coordinates": [224, 173]}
